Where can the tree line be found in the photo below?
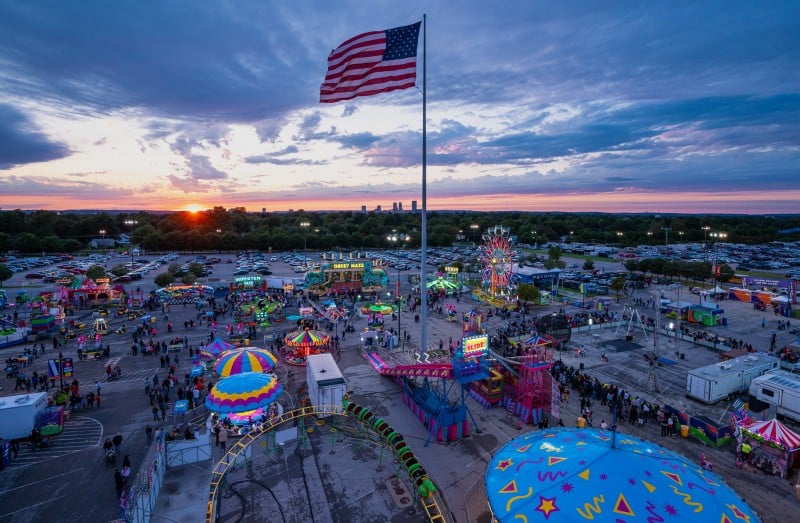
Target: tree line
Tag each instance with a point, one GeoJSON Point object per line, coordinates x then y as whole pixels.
{"type": "Point", "coordinates": [221, 229]}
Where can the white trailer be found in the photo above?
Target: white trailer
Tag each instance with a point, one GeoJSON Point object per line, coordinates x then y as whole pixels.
{"type": "Point", "coordinates": [326, 385]}
{"type": "Point", "coordinates": [779, 388]}
{"type": "Point", "coordinates": [714, 382]}
{"type": "Point", "coordinates": [19, 415]}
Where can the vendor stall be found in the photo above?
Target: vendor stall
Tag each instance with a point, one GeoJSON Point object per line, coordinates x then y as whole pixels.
{"type": "Point", "coordinates": [776, 450]}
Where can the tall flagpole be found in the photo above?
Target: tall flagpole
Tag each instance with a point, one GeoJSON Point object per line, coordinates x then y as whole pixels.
{"type": "Point", "coordinates": [423, 281]}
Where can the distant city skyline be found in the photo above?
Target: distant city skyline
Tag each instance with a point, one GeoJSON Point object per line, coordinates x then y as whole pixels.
{"type": "Point", "coordinates": [634, 107]}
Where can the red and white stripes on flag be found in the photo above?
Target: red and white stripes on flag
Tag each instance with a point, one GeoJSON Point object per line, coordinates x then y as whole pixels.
{"type": "Point", "coordinates": [372, 63]}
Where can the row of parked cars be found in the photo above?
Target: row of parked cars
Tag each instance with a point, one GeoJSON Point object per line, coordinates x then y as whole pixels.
{"type": "Point", "coordinates": [253, 263]}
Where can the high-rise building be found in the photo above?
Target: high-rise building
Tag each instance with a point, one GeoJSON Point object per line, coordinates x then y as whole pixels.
{"type": "Point", "coordinates": [377, 208]}
{"type": "Point", "coordinates": [394, 206]}
{"type": "Point", "coordinates": [413, 205]}
{"type": "Point", "coordinates": [400, 206]}
{"type": "Point", "coordinates": [363, 208]}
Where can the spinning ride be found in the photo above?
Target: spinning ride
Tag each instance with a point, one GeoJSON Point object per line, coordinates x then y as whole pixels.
{"type": "Point", "coordinates": [237, 361]}
{"type": "Point", "coordinates": [300, 344]}
{"type": "Point", "coordinates": [243, 392]}
{"type": "Point", "coordinates": [497, 258]}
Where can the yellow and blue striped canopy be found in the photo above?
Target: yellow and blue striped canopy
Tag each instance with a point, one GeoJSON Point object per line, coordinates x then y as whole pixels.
{"type": "Point", "coordinates": [237, 361]}
{"type": "Point", "coordinates": [243, 392]}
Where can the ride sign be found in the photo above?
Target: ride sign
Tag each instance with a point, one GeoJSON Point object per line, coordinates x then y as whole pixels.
{"type": "Point", "coordinates": [475, 346]}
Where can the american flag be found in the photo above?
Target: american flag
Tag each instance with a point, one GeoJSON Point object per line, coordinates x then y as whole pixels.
{"type": "Point", "coordinates": [372, 63]}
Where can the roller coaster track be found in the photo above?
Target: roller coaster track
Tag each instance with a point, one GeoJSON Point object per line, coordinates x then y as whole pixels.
{"type": "Point", "coordinates": [427, 494]}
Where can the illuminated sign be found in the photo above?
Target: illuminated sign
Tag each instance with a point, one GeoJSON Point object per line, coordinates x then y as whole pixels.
{"type": "Point", "coordinates": [451, 269]}
{"type": "Point", "coordinates": [248, 280]}
{"type": "Point", "coordinates": [349, 266]}
{"type": "Point", "coordinates": [102, 280]}
{"type": "Point", "coordinates": [67, 280]}
{"type": "Point", "coordinates": [475, 346]}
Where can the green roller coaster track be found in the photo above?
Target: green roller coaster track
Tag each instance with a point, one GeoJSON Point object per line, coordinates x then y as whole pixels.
{"type": "Point", "coordinates": [426, 491]}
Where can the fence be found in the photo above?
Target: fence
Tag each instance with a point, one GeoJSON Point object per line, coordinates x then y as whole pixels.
{"type": "Point", "coordinates": [144, 489]}
{"type": "Point", "coordinates": [143, 492]}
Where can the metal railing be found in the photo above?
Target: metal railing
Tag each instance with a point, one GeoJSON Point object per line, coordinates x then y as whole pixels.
{"type": "Point", "coordinates": [144, 488]}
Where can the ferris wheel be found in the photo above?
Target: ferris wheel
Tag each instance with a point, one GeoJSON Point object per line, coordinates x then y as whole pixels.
{"type": "Point", "coordinates": [497, 259]}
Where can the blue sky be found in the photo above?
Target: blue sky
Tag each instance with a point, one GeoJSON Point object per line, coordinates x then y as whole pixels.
{"type": "Point", "coordinates": [579, 106]}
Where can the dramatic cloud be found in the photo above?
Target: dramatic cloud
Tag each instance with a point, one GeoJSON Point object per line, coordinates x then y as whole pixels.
{"type": "Point", "coordinates": [217, 103]}
{"type": "Point", "coordinates": [21, 142]}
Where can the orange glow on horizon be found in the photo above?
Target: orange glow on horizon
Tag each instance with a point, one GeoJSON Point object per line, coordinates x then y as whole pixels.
{"type": "Point", "coordinates": [732, 202]}
{"type": "Point", "coordinates": [193, 208]}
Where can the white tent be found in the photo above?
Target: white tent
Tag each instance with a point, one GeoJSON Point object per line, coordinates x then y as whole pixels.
{"type": "Point", "coordinates": [717, 290]}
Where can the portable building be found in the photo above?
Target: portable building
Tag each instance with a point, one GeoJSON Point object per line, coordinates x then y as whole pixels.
{"type": "Point", "coordinates": [779, 388]}
{"type": "Point", "coordinates": [19, 415]}
{"type": "Point", "coordinates": [714, 382]}
{"type": "Point", "coordinates": [326, 385]}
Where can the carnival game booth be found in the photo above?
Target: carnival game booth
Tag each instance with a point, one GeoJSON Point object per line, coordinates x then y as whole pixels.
{"type": "Point", "coordinates": [776, 451]}
{"type": "Point", "coordinates": [215, 349]}
{"type": "Point", "coordinates": [703, 315]}
{"type": "Point", "coordinates": [570, 475]}
{"type": "Point", "coordinates": [90, 292]}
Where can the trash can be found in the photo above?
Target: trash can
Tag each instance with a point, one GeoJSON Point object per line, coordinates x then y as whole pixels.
{"type": "Point", "coordinates": [152, 320]}
{"type": "Point", "coordinates": [684, 431]}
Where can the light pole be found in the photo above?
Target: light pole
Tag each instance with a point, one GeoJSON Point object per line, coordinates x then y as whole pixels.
{"type": "Point", "coordinates": [474, 227]}
{"type": "Point", "coordinates": [666, 236]}
{"type": "Point", "coordinates": [714, 268]}
{"type": "Point", "coordinates": [705, 229]}
{"type": "Point", "coordinates": [305, 225]}
{"type": "Point", "coordinates": [132, 224]}
{"type": "Point", "coordinates": [103, 239]}
{"type": "Point", "coordinates": [394, 239]}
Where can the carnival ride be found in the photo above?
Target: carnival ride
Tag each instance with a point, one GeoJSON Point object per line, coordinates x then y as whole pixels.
{"type": "Point", "coordinates": [300, 344]}
{"type": "Point", "coordinates": [345, 276]}
{"type": "Point", "coordinates": [426, 492]}
{"type": "Point", "coordinates": [438, 407]}
{"type": "Point", "coordinates": [497, 259]}
{"type": "Point", "coordinates": [522, 383]}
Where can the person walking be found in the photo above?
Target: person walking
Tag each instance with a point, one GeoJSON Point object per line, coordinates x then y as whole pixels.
{"type": "Point", "coordinates": [118, 482]}
{"type": "Point", "coordinates": [148, 433]}
{"type": "Point", "coordinates": [223, 438]}
{"type": "Point", "coordinates": [117, 441]}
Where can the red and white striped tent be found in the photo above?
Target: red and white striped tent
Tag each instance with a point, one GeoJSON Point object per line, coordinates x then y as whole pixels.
{"type": "Point", "coordinates": [775, 431]}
